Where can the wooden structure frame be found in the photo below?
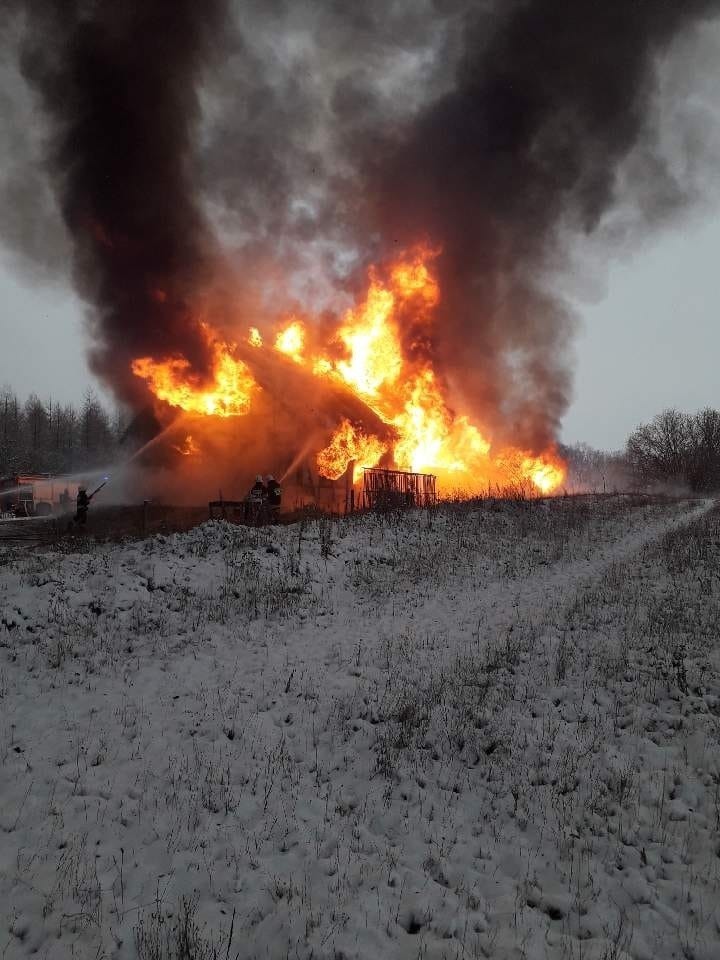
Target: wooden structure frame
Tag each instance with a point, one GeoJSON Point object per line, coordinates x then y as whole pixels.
{"type": "Point", "coordinates": [392, 489]}
{"type": "Point", "coordinates": [233, 510]}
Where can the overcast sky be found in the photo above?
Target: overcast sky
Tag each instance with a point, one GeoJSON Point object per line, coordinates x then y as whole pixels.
{"type": "Point", "coordinates": [652, 341]}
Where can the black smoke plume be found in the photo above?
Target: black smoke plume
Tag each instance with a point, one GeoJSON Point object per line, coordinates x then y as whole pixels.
{"type": "Point", "coordinates": [550, 98]}
{"type": "Point", "coordinates": [336, 134]}
{"type": "Point", "coordinates": [118, 83]}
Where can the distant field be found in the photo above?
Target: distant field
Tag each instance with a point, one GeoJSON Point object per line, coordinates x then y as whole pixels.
{"type": "Point", "coordinates": [491, 729]}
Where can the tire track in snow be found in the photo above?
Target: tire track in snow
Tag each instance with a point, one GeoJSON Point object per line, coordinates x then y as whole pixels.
{"type": "Point", "coordinates": [504, 604]}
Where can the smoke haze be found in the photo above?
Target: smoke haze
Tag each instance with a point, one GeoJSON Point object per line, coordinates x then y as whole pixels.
{"type": "Point", "coordinates": [550, 98]}
{"type": "Point", "coordinates": [249, 157]}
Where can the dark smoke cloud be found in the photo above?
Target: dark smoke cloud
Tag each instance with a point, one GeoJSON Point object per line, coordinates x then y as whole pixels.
{"type": "Point", "coordinates": [118, 83]}
{"type": "Point", "coordinates": [550, 99]}
{"type": "Point", "coordinates": [276, 166]}
{"type": "Point", "coordinates": [32, 231]}
{"type": "Point", "coordinates": [294, 142]}
{"type": "Point", "coordinates": [522, 125]}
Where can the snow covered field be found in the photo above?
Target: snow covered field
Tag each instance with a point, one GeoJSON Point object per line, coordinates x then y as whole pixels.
{"type": "Point", "coordinates": [489, 730]}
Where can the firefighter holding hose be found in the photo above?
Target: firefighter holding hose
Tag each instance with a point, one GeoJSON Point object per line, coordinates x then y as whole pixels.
{"type": "Point", "coordinates": [83, 502]}
{"type": "Point", "coordinates": [255, 500]}
{"type": "Point", "coordinates": [274, 497]}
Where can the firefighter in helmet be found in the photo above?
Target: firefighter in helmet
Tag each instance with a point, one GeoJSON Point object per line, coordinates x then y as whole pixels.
{"type": "Point", "coordinates": [274, 496]}
{"type": "Point", "coordinates": [256, 499]}
{"type": "Point", "coordinates": [82, 504]}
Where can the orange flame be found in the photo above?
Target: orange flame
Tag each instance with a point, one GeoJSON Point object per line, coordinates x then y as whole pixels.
{"type": "Point", "coordinates": [291, 341]}
{"type": "Point", "coordinates": [349, 444]}
{"type": "Point", "coordinates": [408, 396]}
{"type": "Point", "coordinates": [379, 354]}
{"type": "Point", "coordinates": [546, 475]}
{"type": "Point", "coordinates": [227, 395]}
{"type": "Point", "coordinates": [373, 348]}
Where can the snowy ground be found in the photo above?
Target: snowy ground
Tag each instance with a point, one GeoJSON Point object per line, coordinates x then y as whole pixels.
{"type": "Point", "coordinates": [492, 730]}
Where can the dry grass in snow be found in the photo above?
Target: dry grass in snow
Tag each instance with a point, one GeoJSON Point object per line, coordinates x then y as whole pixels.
{"type": "Point", "coordinates": [488, 730]}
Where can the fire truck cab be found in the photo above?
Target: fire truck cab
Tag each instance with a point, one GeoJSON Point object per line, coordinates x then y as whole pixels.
{"type": "Point", "coordinates": [36, 495]}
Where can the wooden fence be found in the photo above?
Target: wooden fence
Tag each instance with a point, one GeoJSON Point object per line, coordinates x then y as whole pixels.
{"type": "Point", "coordinates": [393, 489]}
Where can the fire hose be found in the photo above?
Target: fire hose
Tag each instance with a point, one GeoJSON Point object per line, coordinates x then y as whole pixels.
{"type": "Point", "coordinates": [98, 489]}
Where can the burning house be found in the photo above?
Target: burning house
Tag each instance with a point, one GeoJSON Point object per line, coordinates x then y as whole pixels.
{"type": "Point", "coordinates": [357, 397]}
{"type": "Point", "coordinates": [295, 260]}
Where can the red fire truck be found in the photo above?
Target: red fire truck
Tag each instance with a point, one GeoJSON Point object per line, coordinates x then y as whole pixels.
{"type": "Point", "coordinates": [36, 495]}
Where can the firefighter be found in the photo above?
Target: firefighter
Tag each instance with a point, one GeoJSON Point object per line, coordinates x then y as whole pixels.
{"type": "Point", "coordinates": [256, 499]}
{"type": "Point", "coordinates": [274, 496]}
{"type": "Point", "coordinates": [82, 502]}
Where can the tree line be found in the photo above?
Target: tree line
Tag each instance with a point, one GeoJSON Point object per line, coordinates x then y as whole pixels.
{"type": "Point", "coordinates": [674, 448]}
{"type": "Point", "coordinates": [596, 471]}
{"type": "Point", "coordinates": [39, 436]}
{"type": "Point", "coordinates": [679, 449]}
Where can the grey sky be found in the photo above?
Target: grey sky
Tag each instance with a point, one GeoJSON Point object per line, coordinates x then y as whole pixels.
{"type": "Point", "coordinates": [651, 341]}
{"type": "Point", "coordinates": [42, 346]}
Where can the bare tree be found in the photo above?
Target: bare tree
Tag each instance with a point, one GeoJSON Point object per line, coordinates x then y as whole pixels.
{"type": "Point", "coordinates": [678, 448]}
{"type": "Point", "coordinates": [591, 470]}
{"type": "Point", "coordinates": [36, 423]}
{"type": "Point", "coordinates": [11, 440]}
{"type": "Point", "coordinates": [704, 468]}
{"type": "Point", "coordinates": [39, 437]}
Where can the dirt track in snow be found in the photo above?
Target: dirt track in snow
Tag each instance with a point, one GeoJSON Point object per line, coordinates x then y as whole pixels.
{"type": "Point", "coordinates": [490, 731]}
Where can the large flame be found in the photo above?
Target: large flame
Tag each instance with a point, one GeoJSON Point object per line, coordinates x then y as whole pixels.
{"type": "Point", "coordinates": [349, 444]}
{"type": "Point", "coordinates": [227, 394]}
{"type": "Point", "coordinates": [380, 353]}
{"type": "Point", "coordinates": [291, 341]}
{"type": "Point", "coordinates": [407, 395]}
